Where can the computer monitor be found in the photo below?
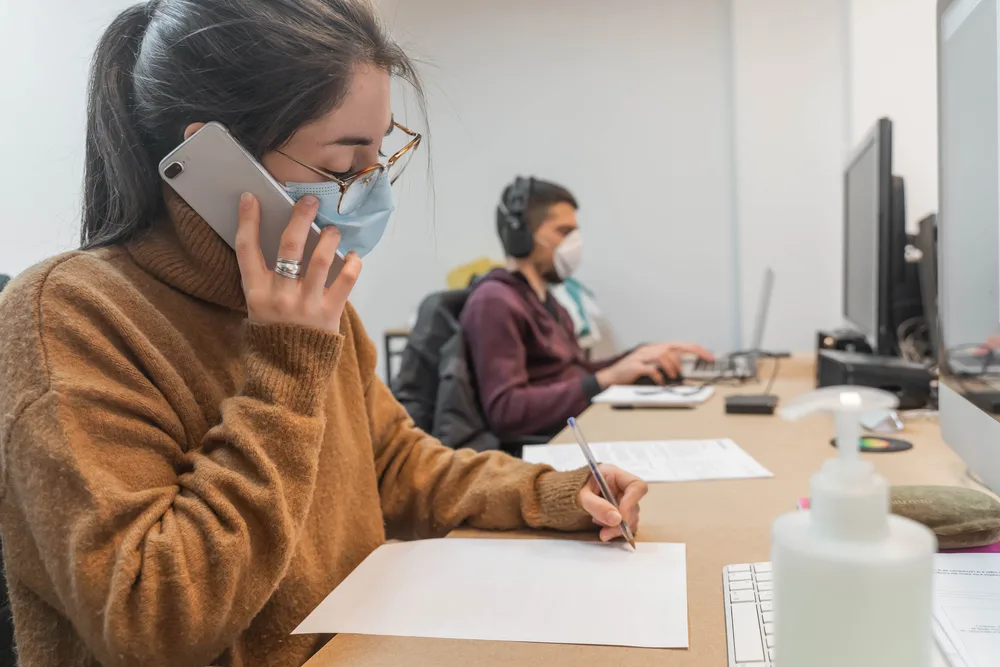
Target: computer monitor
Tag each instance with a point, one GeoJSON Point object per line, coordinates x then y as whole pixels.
{"type": "Point", "coordinates": [969, 227]}
{"type": "Point", "coordinates": [926, 242]}
{"type": "Point", "coordinates": [878, 289]}
{"type": "Point", "coordinates": [867, 205]}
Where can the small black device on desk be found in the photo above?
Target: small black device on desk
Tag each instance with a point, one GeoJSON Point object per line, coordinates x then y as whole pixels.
{"type": "Point", "coordinates": [751, 404]}
{"type": "Point", "coordinates": [910, 382]}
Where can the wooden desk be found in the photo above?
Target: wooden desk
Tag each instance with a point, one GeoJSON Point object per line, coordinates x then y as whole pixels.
{"type": "Point", "coordinates": [721, 523]}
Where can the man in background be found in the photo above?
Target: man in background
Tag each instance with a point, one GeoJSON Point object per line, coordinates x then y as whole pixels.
{"type": "Point", "coordinates": [531, 373]}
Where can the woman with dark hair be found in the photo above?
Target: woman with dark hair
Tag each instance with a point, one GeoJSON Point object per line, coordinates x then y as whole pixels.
{"type": "Point", "coordinates": [195, 450]}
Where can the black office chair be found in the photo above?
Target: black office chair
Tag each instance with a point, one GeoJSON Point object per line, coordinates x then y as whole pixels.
{"type": "Point", "coordinates": [7, 655]}
{"type": "Point", "coordinates": [436, 383]}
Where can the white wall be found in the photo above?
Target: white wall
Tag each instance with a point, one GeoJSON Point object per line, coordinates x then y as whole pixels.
{"type": "Point", "coordinates": [790, 105]}
{"type": "Point", "coordinates": [893, 73]}
{"type": "Point", "coordinates": [627, 108]}
{"type": "Point", "coordinates": [45, 49]}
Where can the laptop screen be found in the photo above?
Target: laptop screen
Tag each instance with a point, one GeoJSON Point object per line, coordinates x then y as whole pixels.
{"type": "Point", "coordinates": [762, 308]}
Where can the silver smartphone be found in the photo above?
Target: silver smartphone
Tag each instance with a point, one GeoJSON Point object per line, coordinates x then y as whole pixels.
{"type": "Point", "coordinates": [211, 170]}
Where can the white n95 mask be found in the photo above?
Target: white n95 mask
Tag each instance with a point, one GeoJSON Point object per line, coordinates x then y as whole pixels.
{"type": "Point", "coordinates": [568, 254]}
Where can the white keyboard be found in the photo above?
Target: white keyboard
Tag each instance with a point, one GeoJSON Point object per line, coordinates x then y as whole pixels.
{"type": "Point", "coordinates": [748, 592]}
{"type": "Point", "coordinates": [749, 600]}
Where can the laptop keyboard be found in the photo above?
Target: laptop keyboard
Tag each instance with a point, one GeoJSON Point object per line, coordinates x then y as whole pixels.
{"type": "Point", "coordinates": [740, 367]}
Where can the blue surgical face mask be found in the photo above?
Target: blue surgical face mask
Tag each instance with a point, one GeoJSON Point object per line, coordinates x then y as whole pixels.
{"type": "Point", "coordinates": [360, 230]}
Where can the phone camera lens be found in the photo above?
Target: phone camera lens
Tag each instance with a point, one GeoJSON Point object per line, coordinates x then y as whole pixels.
{"type": "Point", "coordinates": [173, 170]}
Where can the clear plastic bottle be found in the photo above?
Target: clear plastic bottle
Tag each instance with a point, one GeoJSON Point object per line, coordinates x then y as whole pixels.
{"type": "Point", "coordinates": [852, 582]}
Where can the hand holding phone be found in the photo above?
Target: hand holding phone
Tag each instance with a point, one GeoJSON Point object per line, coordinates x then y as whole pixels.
{"type": "Point", "coordinates": [210, 171]}
{"type": "Point", "coordinates": [306, 301]}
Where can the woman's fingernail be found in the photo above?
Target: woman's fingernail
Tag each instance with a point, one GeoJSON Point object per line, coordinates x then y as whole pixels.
{"type": "Point", "coordinates": [309, 200]}
{"type": "Point", "coordinates": [245, 200]}
{"type": "Point", "coordinates": [614, 518]}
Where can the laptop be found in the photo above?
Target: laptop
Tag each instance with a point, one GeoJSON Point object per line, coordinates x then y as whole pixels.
{"type": "Point", "coordinates": [738, 365]}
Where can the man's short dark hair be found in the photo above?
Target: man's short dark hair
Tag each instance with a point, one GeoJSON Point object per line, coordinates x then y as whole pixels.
{"type": "Point", "coordinates": [544, 195]}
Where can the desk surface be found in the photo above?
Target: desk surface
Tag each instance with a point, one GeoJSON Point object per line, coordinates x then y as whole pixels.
{"type": "Point", "coordinates": [721, 522]}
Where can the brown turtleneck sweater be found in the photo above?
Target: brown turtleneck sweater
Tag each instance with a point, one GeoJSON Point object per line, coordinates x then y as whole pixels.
{"type": "Point", "coordinates": [181, 487]}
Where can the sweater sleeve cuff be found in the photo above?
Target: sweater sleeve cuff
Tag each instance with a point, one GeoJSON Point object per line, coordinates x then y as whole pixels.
{"type": "Point", "coordinates": [559, 500]}
{"type": "Point", "coordinates": [591, 387]}
{"type": "Point", "coordinates": [290, 365]}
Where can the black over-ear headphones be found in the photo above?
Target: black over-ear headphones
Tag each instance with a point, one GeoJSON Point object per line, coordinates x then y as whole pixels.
{"type": "Point", "coordinates": [515, 234]}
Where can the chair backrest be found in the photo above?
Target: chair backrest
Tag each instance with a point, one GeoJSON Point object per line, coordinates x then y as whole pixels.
{"type": "Point", "coordinates": [416, 384]}
{"type": "Point", "coordinates": [435, 382]}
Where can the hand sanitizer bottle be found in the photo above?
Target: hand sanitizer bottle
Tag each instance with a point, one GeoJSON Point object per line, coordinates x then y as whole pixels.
{"type": "Point", "coordinates": [852, 582]}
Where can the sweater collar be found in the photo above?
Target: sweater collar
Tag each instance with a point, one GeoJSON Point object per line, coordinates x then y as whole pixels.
{"type": "Point", "coordinates": [185, 253]}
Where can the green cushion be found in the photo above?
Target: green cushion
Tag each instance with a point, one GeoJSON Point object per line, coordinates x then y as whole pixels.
{"type": "Point", "coordinates": [961, 518]}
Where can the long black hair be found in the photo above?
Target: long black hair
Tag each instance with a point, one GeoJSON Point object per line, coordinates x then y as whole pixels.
{"type": "Point", "coordinates": [263, 68]}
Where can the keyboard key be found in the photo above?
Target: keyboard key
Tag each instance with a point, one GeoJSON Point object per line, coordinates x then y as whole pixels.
{"type": "Point", "coordinates": [766, 596]}
{"type": "Point", "coordinates": [770, 654]}
{"type": "Point", "coordinates": [767, 606]}
{"type": "Point", "coordinates": [739, 576]}
{"type": "Point", "coordinates": [741, 596]}
{"type": "Point", "coordinates": [770, 642]}
{"type": "Point", "coordinates": [739, 568]}
{"type": "Point", "coordinates": [767, 616]}
{"type": "Point", "coordinates": [741, 585]}
{"type": "Point", "coordinates": [761, 567]}
{"type": "Point", "coordinates": [765, 586]}
{"type": "Point", "coordinates": [769, 628]}
{"type": "Point", "coordinates": [746, 633]}
{"type": "Point", "coordinates": [764, 576]}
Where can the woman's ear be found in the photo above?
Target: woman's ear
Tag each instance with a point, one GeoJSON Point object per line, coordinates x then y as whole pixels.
{"type": "Point", "coordinates": [191, 129]}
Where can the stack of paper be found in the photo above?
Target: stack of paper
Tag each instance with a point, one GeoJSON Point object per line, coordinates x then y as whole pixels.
{"type": "Point", "coordinates": [658, 461]}
{"type": "Point", "coordinates": [550, 591]}
{"type": "Point", "coordinates": [967, 608]}
{"type": "Point", "coordinates": [654, 397]}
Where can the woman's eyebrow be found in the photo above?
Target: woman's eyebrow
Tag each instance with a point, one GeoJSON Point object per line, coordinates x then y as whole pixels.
{"type": "Point", "coordinates": [360, 141]}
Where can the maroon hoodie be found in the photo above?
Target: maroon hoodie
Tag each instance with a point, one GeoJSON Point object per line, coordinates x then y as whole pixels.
{"type": "Point", "coordinates": [530, 371]}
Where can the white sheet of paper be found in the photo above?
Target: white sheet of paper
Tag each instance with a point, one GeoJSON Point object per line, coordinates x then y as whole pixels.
{"type": "Point", "coordinates": [967, 605]}
{"type": "Point", "coordinates": [651, 397]}
{"type": "Point", "coordinates": [549, 591]}
{"type": "Point", "coordinates": [658, 461]}
{"type": "Point", "coordinates": [945, 654]}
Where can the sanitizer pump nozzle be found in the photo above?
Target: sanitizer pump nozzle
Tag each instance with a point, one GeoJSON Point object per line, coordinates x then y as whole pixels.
{"type": "Point", "coordinates": [852, 582]}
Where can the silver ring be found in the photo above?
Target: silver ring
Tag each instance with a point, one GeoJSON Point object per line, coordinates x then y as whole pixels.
{"type": "Point", "coordinates": [288, 268]}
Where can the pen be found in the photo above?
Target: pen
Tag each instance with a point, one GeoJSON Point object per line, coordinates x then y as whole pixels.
{"type": "Point", "coordinates": [605, 491]}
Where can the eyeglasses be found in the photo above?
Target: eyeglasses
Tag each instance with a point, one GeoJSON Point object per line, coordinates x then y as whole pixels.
{"type": "Point", "coordinates": [354, 189]}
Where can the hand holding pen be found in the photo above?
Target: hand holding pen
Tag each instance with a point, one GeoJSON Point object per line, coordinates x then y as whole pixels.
{"type": "Point", "coordinates": [611, 496]}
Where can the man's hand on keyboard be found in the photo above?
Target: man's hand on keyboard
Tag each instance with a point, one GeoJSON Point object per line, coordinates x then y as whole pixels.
{"type": "Point", "coordinates": [661, 362]}
{"type": "Point", "coordinates": [668, 356]}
